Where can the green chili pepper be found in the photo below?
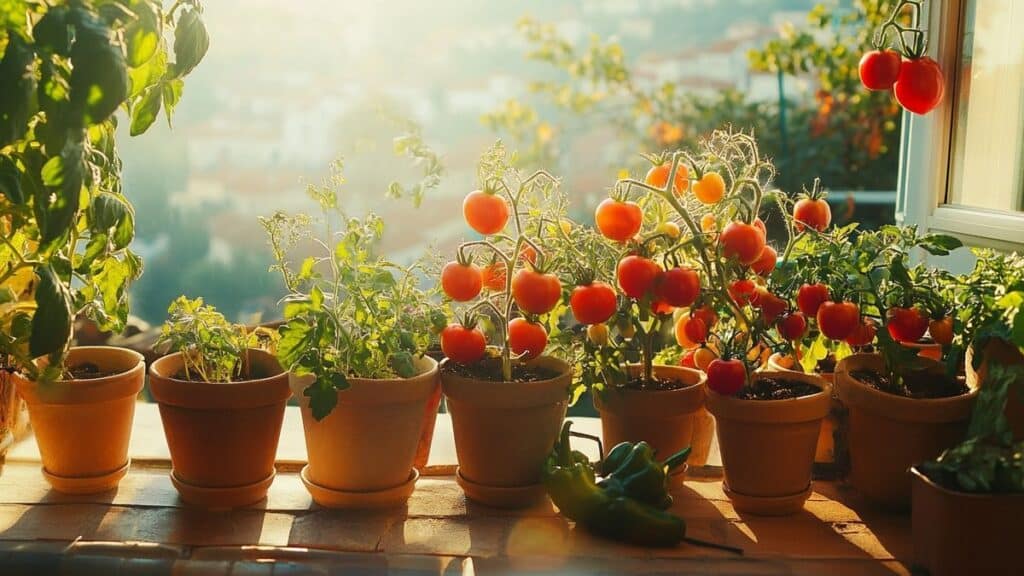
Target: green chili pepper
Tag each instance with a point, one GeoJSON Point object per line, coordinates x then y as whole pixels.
{"type": "Point", "coordinates": [633, 470]}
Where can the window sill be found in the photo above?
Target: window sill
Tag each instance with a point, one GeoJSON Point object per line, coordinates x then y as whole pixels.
{"type": "Point", "coordinates": [978, 227]}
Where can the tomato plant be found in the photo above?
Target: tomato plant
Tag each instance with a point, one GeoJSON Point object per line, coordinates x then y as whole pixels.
{"type": "Point", "coordinates": [812, 210]}
{"type": "Point", "coordinates": [743, 242]}
{"type": "Point", "coordinates": [637, 275]}
{"type": "Point", "coordinates": [710, 189]}
{"type": "Point", "coordinates": [536, 292]}
{"type": "Point", "coordinates": [906, 324]}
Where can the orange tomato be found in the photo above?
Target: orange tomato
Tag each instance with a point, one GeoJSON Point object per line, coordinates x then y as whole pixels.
{"type": "Point", "coordinates": [657, 177]}
{"type": "Point", "coordinates": [710, 189]}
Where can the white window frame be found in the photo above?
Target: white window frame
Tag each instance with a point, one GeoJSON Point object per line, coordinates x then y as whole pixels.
{"type": "Point", "coordinates": [926, 153]}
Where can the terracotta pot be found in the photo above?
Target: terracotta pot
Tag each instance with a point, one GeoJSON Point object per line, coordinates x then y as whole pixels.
{"type": "Point", "coordinates": [83, 426]}
{"type": "Point", "coordinates": [504, 431]}
{"type": "Point", "coordinates": [887, 434]}
{"type": "Point", "coordinates": [368, 442]}
{"type": "Point", "coordinates": [13, 413]}
{"type": "Point", "coordinates": [222, 436]}
{"type": "Point", "coordinates": [925, 349]}
{"type": "Point", "coordinates": [825, 451]}
{"type": "Point", "coordinates": [665, 419]}
{"type": "Point", "coordinates": [768, 445]}
{"type": "Point", "coordinates": [957, 533]}
{"type": "Point", "coordinates": [1000, 351]}
{"type": "Point", "coordinates": [429, 422]}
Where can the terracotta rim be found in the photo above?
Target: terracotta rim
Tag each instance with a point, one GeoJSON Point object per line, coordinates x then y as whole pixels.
{"type": "Point", "coordinates": [242, 394]}
{"type": "Point", "coordinates": [387, 498]}
{"type": "Point", "coordinates": [511, 394]}
{"type": "Point", "coordinates": [222, 497]}
{"type": "Point", "coordinates": [803, 409]}
{"type": "Point", "coordinates": [928, 410]}
{"type": "Point", "coordinates": [378, 391]}
{"type": "Point", "coordinates": [87, 484]}
{"type": "Point", "coordinates": [657, 403]}
{"type": "Point", "coordinates": [128, 381]}
{"type": "Point", "coordinates": [774, 366]}
{"type": "Point", "coordinates": [501, 496]}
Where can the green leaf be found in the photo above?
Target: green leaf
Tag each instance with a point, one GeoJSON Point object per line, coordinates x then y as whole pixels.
{"type": "Point", "coordinates": [145, 111]}
{"type": "Point", "coordinates": [142, 35]}
{"type": "Point", "coordinates": [172, 95]}
{"type": "Point", "coordinates": [99, 74]}
{"type": "Point", "coordinates": [316, 299]}
{"type": "Point", "coordinates": [53, 172]}
{"type": "Point", "coordinates": [940, 244]}
{"type": "Point", "coordinates": [19, 82]}
{"type": "Point", "coordinates": [191, 41]}
{"type": "Point", "coordinates": [297, 336]}
{"type": "Point", "coordinates": [149, 74]}
{"type": "Point", "coordinates": [107, 211]}
{"type": "Point", "coordinates": [57, 210]}
{"type": "Point", "coordinates": [10, 181]}
{"type": "Point", "coordinates": [51, 323]}
{"type": "Point", "coordinates": [53, 33]}
{"type": "Point", "coordinates": [323, 397]}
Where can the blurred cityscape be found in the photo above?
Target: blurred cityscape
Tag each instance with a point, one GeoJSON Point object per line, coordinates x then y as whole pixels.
{"type": "Point", "coordinates": [288, 87]}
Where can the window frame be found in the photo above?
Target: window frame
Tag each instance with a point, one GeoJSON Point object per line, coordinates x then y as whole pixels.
{"type": "Point", "coordinates": [927, 152]}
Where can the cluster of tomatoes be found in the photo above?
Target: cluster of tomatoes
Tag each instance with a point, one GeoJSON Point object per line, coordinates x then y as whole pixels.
{"type": "Point", "coordinates": [917, 83]}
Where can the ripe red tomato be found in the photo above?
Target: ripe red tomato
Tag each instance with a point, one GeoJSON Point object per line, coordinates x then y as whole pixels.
{"type": "Point", "coordinates": [534, 292]}
{"type": "Point", "coordinates": [687, 360]}
{"type": "Point", "coordinates": [742, 291]}
{"type": "Point", "coordinates": [493, 276]}
{"type": "Point", "coordinates": [527, 254]}
{"type": "Point", "coordinates": [710, 189]}
{"type": "Point", "coordinates": [813, 213]}
{"type": "Point", "coordinates": [941, 330]}
{"type": "Point", "coordinates": [462, 345]}
{"type": "Point", "coordinates": [485, 213]}
{"type": "Point", "coordinates": [766, 263]}
{"type": "Point", "coordinates": [707, 314]}
{"type": "Point", "coordinates": [863, 334]}
{"type": "Point", "coordinates": [637, 275]}
{"type": "Point", "coordinates": [618, 221]}
{"type": "Point", "coordinates": [657, 176]}
{"type": "Point", "coordinates": [726, 377]}
{"type": "Point", "coordinates": [461, 282]}
{"type": "Point", "coordinates": [792, 326]}
{"type": "Point", "coordinates": [661, 308]}
{"type": "Point", "coordinates": [906, 324]}
{"type": "Point", "coordinates": [771, 305]}
{"type": "Point", "coordinates": [920, 85]}
{"type": "Point", "coordinates": [678, 287]}
{"type": "Point", "coordinates": [741, 241]}
{"type": "Point", "coordinates": [691, 332]}
{"type": "Point", "coordinates": [759, 224]}
{"type": "Point", "coordinates": [593, 303]}
{"type": "Point", "coordinates": [810, 296]}
{"type": "Point", "coordinates": [879, 69]}
{"type": "Point", "coordinates": [527, 338]}
{"type": "Point", "coordinates": [837, 320]}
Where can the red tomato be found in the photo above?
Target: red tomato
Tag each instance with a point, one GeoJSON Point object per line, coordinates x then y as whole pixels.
{"type": "Point", "coordinates": [462, 345]}
{"type": "Point", "coordinates": [678, 286]}
{"type": "Point", "coordinates": [726, 377]}
{"type": "Point", "coordinates": [813, 213]}
{"type": "Point", "coordinates": [593, 303]}
{"type": "Point", "coordinates": [920, 85]}
{"type": "Point", "coordinates": [461, 282]}
{"type": "Point", "coordinates": [618, 221]}
{"type": "Point", "coordinates": [879, 69]}
{"type": "Point", "coordinates": [906, 324]}
{"type": "Point", "coordinates": [637, 275]}
{"type": "Point", "coordinates": [707, 314]}
{"type": "Point", "coordinates": [741, 241]}
{"type": "Point", "coordinates": [771, 306]}
{"type": "Point", "coordinates": [493, 276]}
{"type": "Point", "coordinates": [527, 338]}
{"type": "Point", "coordinates": [837, 320]}
{"type": "Point", "coordinates": [661, 308]}
{"type": "Point", "coordinates": [742, 291]}
{"type": "Point", "coordinates": [863, 334]}
{"type": "Point", "coordinates": [527, 254]}
{"type": "Point", "coordinates": [485, 213]}
{"type": "Point", "coordinates": [657, 176]}
{"type": "Point", "coordinates": [534, 292]}
{"type": "Point", "coordinates": [810, 297]}
{"type": "Point", "coordinates": [759, 224]}
{"type": "Point", "coordinates": [766, 263]}
{"type": "Point", "coordinates": [687, 360]}
{"type": "Point", "coordinates": [941, 330]}
{"type": "Point", "coordinates": [691, 332]}
{"type": "Point", "coordinates": [792, 326]}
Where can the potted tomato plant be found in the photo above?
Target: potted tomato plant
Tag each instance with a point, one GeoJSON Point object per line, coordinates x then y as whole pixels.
{"type": "Point", "coordinates": [66, 226]}
{"type": "Point", "coordinates": [507, 401]}
{"type": "Point", "coordinates": [355, 331]}
{"type": "Point", "coordinates": [767, 422]}
{"type": "Point", "coordinates": [902, 407]}
{"type": "Point", "coordinates": [221, 399]}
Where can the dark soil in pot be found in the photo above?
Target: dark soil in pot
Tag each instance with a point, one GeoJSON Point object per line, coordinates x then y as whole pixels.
{"type": "Point", "coordinates": [776, 389]}
{"type": "Point", "coordinates": [915, 384]}
{"type": "Point", "coordinates": [490, 371]}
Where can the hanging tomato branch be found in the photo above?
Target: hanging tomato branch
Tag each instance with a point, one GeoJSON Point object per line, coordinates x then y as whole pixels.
{"type": "Point", "coordinates": [915, 79]}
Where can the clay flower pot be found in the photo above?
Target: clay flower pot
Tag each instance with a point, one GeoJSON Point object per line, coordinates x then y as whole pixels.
{"type": "Point", "coordinates": [956, 533]}
{"type": "Point", "coordinates": [362, 454]}
{"type": "Point", "coordinates": [768, 446]}
{"type": "Point", "coordinates": [825, 451]}
{"type": "Point", "coordinates": [887, 434]}
{"type": "Point", "coordinates": [999, 351]}
{"type": "Point", "coordinates": [925, 349]}
{"type": "Point", "coordinates": [83, 426]}
{"type": "Point", "coordinates": [504, 431]}
{"type": "Point", "coordinates": [222, 436]}
{"type": "Point", "coordinates": [665, 419]}
{"type": "Point", "coordinates": [13, 414]}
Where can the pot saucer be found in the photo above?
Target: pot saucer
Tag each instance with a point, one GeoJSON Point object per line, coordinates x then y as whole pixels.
{"type": "Point", "coordinates": [222, 497]}
{"type": "Point", "coordinates": [767, 505]}
{"type": "Point", "coordinates": [387, 498]}
{"type": "Point", "coordinates": [501, 496]}
{"type": "Point", "coordinates": [86, 484]}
